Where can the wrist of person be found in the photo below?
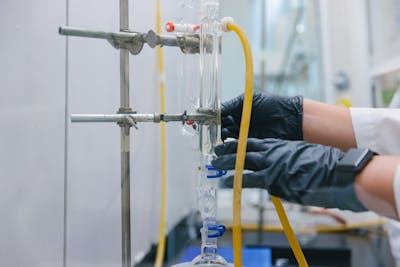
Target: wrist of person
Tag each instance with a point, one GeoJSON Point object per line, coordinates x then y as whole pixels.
{"type": "Point", "coordinates": [350, 164]}
{"type": "Point", "coordinates": [339, 192]}
{"type": "Point", "coordinates": [374, 185]}
{"type": "Point", "coordinates": [319, 117]}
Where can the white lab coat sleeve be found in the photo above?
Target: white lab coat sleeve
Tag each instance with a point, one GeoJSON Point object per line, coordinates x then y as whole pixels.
{"type": "Point", "coordinates": [379, 130]}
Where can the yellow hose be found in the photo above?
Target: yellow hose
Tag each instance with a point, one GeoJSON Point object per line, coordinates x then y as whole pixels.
{"type": "Point", "coordinates": [162, 226]}
{"type": "Point", "coordinates": [294, 244]}
{"type": "Point", "coordinates": [241, 150]}
{"type": "Point", "coordinates": [240, 158]}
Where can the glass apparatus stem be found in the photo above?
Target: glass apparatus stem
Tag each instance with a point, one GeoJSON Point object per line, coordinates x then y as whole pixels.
{"type": "Point", "coordinates": [210, 88]}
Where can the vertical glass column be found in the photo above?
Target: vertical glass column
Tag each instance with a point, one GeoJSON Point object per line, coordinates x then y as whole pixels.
{"type": "Point", "coordinates": [209, 102]}
{"type": "Point", "coordinates": [210, 73]}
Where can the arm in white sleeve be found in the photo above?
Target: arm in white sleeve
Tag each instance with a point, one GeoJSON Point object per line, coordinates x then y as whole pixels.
{"type": "Point", "coordinates": [375, 185]}
{"type": "Point", "coordinates": [377, 129]}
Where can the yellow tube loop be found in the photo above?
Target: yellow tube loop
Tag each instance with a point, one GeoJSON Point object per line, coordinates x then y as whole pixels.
{"type": "Point", "coordinates": [240, 158]}
{"type": "Point", "coordinates": [162, 226]}
{"type": "Point", "coordinates": [294, 244]}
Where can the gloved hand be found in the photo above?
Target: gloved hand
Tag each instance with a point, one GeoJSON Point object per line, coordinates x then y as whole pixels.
{"type": "Point", "coordinates": [297, 171]}
{"type": "Point", "coordinates": [271, 117]}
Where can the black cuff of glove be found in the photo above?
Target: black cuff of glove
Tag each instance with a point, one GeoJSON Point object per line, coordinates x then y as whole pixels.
{"type": "Point", "coordinates": [343, 198]}
{"type": "Point", "coordinates": [347, 199]}
{"type": "Point", "coordinates": [298, 103]}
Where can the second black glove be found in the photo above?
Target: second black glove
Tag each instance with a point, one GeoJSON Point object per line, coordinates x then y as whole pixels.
{"type": "Point", "coordinates": [297, 171]}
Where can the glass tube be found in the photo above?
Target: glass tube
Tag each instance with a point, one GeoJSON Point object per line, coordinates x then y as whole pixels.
{"type": "Point", "coordinates": [210, 72]}
{"type": "Point", "coordinates": [210, 88]}
{"type": "Point", "coordinates": [188, 70]}
{"type": "Point", "coordinates": [208, 101]}
{"type": "Point", "coordinates": [207, 199]}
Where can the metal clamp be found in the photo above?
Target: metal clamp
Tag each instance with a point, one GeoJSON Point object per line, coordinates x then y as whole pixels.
{"type": "Point", "coordinates": [189, 44]}
{"type": "Point", "coordinates": [134, 41]}
{"type": "Point", "coordinates": [127, 121]}
{"type": "Point", "coordinates": [184, 117]}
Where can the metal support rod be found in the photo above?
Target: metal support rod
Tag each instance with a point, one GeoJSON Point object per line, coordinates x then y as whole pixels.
{"type": "Point", "coordinates": [134, 118]}
{"type": "Point", "coordinates": [79, 32]}
{"type": "Point", "coordinates": [134, 41]}
{"type": "Point", "coordinates": [263, 67]}
{"type": "Point", "coordinates": [125, 141]}
{"type": "Point", "coordinates": [125, 197]}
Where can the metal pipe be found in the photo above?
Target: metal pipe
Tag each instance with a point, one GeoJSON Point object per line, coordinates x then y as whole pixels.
{"type": "Point", "coordinates": [79, 32]}
{"type": "Point", "coordinates": [155, 117]}
{"type": "Point", "coordinates": [263, 70]}
{"type": "Point", "coordinates": [125, 141]}
{"type": "Point", "coordinates": [134, 41]}
{"type": "Point", "coordinates": [125, 197]}
{"type": "Point", "coordinates": [97, 117]}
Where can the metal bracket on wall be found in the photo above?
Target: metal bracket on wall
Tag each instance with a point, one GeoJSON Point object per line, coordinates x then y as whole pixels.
{"type": "Point", "coordinates": [134, 41]}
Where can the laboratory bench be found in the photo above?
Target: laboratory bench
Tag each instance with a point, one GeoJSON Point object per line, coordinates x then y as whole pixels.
{"type": "Point", "coordinates": [357, 248]}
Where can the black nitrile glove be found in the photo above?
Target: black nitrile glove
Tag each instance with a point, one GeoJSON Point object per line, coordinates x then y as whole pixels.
{"type": "Point", "coordinates": [297, 171]}
{"type": "Point", "coordinates": [271, 117]}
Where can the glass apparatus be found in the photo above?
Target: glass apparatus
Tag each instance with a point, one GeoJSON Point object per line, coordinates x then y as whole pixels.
{"type": "Point", "coordinates": [188, 65]}
{"type": "Point", "coordinates": [210, 101]}
{"type": "Point", "coordinates": [209, 134]}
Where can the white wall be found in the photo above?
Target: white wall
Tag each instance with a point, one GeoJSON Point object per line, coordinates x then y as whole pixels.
{"type": "Point", "coordinates": [32, 103]}
{"type": "Point", "coordinates": [344, 29]}
{"type": "Point", "coordinates": [233, 64]}
{"type": "Point", "coordinates": [32, 133]}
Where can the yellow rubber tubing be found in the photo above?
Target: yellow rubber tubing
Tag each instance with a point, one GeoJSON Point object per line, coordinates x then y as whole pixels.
{"type": "Point", "coordinates": [239, 166]}
{"type": "Point", "coordinates": [242, 144]}
{"type": "Point", "coordinates": [162, 225]}
{"type": "Point", "coordinates": [294, 244]}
